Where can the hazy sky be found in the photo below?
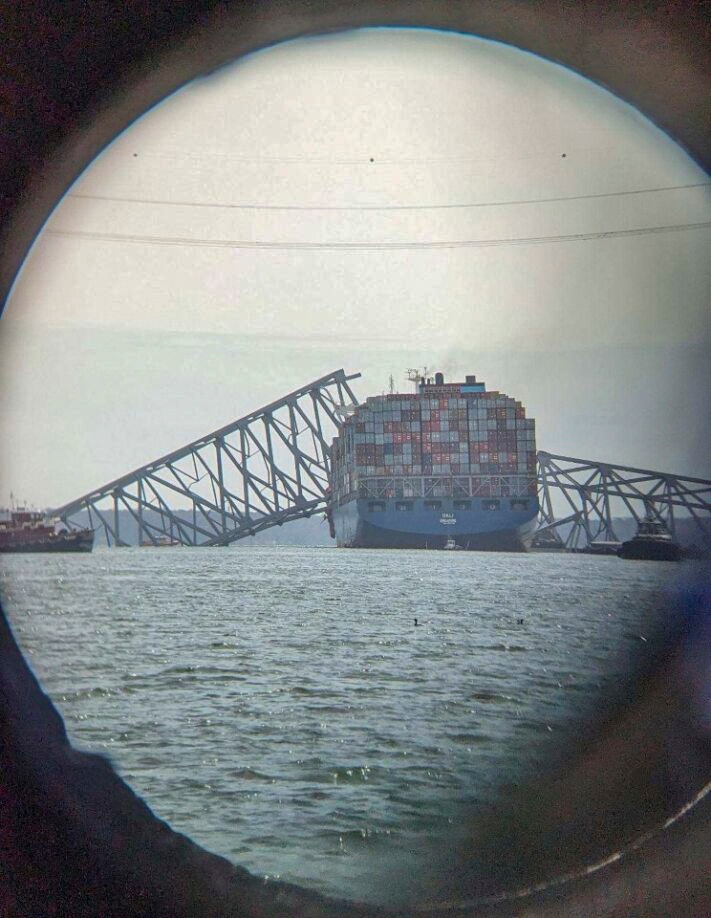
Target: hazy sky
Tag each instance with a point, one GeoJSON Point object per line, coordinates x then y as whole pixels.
{"type": "Point", "coordinates": [115, 349]}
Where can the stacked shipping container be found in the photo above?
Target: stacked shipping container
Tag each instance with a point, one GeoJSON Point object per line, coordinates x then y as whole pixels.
{"type": "Point", "coordinates": [455, 429]}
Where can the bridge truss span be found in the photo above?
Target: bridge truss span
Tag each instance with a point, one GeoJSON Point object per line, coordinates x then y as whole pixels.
{"type": "Point", "coordinates": [580, 499]}
{"type": "Point", "coordinates": [273, 466]}
{"type": "Point", "coordinates": [265, 469]}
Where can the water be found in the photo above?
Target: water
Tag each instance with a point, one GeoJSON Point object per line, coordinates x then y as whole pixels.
{"type": "Point", "coordinates": [280, 706]}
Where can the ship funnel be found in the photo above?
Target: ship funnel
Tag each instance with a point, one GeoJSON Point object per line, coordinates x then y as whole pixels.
{"type": "Point", "coordinates": [470, 380]}
{"type": "Point", "coordinates": [439, 379]}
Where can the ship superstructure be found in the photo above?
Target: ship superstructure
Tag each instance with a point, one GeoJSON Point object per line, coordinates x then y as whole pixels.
{"type": "Point", "coordinates": [450, 464]}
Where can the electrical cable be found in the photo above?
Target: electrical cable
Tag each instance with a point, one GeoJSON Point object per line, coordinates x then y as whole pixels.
{"type": "Point", "coordinates": [383, 207]}
{"type": "Point", "coordinates": [372, 246]}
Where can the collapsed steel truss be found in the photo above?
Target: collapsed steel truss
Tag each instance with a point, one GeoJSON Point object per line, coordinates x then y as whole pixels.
{"type": "Point", "coordinates": [262, 470]}
{"type": "Point", "coordinates": [272, 466]}
{"type": "Point", "coordinates": [593, 493]}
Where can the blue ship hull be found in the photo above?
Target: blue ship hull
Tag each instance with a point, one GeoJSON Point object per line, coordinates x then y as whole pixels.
{"type": "Point", "coordinates": [358, 524]}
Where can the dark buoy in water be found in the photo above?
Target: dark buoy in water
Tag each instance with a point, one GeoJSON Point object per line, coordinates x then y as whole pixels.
{"type": "Point", "coordinates": [415, 623]}
{"type": "Point", "coordinates": [519, 621]}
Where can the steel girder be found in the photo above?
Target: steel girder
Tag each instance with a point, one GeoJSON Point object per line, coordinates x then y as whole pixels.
{"type": "Point", "coordinates": [592, 492]}
{"type": "Point", "coordinates": [262, 470]}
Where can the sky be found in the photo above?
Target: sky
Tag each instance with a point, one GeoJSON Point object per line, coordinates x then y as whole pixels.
{"type": "Point", "coordinates": [351, 201]}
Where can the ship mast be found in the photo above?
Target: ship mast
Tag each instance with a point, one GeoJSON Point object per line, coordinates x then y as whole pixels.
{"type": "Point", "coordinates": [417, 376]}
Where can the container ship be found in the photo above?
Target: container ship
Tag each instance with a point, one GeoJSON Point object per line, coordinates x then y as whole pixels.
{"type": "Point", "coordinates": [24, 530]}
{"type": "Point", "coordinates": [449, 466]}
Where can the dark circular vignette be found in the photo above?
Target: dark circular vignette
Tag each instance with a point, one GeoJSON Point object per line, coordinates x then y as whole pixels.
{"type": "Point", "coordinates": [74, 839]}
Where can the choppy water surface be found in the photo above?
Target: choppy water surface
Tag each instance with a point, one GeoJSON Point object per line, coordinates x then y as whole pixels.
{"type": "Point", "coordinates": [279, 705]}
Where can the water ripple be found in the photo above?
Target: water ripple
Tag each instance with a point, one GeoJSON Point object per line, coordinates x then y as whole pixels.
{"type": "Point", "coordinates": [287, 689]}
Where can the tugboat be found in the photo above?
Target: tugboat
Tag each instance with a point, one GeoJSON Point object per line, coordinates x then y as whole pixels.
{"type": "Point", "coordinates": [653, 542]}
{"type": "Point", "coordinates": [23, 530]}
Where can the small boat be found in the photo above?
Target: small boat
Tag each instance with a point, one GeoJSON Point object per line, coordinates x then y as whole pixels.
{"type": "Point", "coordinates": [451, 545]}
{"type": "Point", "coordinates": [162, 541]}
{"type": "Point", "coordinates": [23, 530]}
{"type": "Point", "coordinates": [599, 547]}
{"type": "Point", "coordinates": [653, 542]}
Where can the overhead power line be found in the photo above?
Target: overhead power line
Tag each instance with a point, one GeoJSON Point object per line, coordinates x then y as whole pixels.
{"type": "Point", "coordinates": [384, 207]}
{"type": "Point", "coordinates": [371, 246]}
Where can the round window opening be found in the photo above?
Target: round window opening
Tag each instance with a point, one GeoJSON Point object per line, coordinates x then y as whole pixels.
{"type": "Point", "coordinates": [374, 370]}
